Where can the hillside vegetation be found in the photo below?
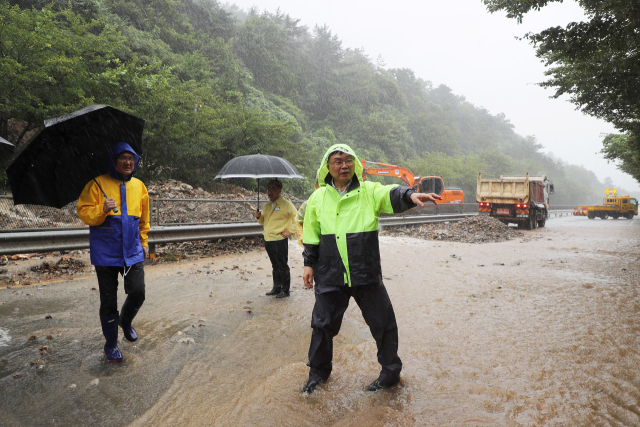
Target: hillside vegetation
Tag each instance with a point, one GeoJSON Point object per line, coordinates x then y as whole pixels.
{"type": "Point", "coordinates": [215, 83]}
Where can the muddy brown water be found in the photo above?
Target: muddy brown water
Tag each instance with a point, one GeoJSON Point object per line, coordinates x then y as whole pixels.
{"type": "Point", "coordinates": [536, 332]}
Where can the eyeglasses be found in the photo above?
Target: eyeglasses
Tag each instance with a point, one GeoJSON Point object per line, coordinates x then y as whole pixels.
{"type": "Point", "coordinates": [126, 159]}
{"type": "Point", "coordinates": [339, 163]}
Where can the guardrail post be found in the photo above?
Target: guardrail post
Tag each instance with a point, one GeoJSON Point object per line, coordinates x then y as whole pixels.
{"type": "Point", "coordinates": [151, 211]}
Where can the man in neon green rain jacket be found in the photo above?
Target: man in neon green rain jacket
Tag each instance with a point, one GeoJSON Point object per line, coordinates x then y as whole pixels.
{"type": "Point", "coordinates": [342, 255]}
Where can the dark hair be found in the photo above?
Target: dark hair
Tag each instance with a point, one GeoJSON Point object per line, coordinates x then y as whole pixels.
{"type": "Point", "coordinates": [275, 182]}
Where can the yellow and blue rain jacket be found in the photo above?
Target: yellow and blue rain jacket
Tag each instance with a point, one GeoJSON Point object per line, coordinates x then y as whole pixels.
{"type": "Point", "coordinates": [116, 239]}
{"type": "Point", "coordinates": [340, 233]}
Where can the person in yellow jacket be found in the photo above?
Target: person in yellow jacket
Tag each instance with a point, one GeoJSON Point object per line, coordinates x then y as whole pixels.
{"type": "Point", "coordinates": [118, 230]}
{"type": "Point", "coordinates": [278, 221]}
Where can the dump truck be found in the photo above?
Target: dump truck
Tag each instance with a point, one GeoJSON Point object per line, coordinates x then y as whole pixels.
{"type": "Point", "coordinates": [612, 206]}
{"type": "Point", "coordinates": [518, 200]}
{"type": "Point", "coordinates": [548, 185]}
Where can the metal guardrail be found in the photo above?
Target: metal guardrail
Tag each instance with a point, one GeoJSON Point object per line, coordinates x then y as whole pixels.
{"type": "Point", "coordinates": [65, 240]}
{"type": "Point", "coordinates": [164, 212]}
{"type": "Point", "coordinates": [560, 213]}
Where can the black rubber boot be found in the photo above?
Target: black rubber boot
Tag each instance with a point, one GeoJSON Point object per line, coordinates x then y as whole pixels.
{"type": "Point", "coordinates": [110, 332]}
{"type": "Point", "coordinates": [380, 384]}
{"type": "Point", "coordinates": [127, 313]}
{"type": "Point", "coordinates": [282, 294]}
{"type": "Point", "coordinates": [274, 291]}
{"type": "Point", "coordinates": [310, 386]}
{"type": "Point", "coordinates": [284, 290]}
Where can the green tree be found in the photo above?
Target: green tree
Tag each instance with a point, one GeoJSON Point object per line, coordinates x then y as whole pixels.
{"type": "Point", "coordinates": [262, 45]}
{"type": "Point", "coordinates": [623, 149]}
{"type": "Point", "coordinates": [594, 62]}
{"type": "Point", "coordinates": [51, 63]}
{"type": "Point", "coordinates": [324, 87]}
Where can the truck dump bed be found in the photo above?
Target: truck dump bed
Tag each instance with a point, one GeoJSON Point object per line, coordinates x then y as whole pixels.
{"type": "Point", "coordinates": [509, 190]}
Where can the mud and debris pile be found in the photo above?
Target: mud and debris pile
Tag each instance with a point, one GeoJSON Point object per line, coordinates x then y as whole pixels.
{"type": "Point", "coordinates": [474, 229]}
{"type": "Point", "coordinates": [176, 251]}
{"type": "Point", "coordinates": [63, 266]}
{"type": "Point", "coordinates": [33, 216]}
{"type": "Point", "coordinates": [26, 269]}
{"type": "Point", "coordinates": [180, 203]}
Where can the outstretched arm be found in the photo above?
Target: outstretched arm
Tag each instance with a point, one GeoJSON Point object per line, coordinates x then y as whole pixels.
{"type": "Point", "coordinates": [421, 198]}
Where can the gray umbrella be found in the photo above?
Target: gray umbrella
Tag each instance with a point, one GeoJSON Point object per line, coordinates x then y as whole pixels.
{"type": "Point", "coordinates": [258, 166]}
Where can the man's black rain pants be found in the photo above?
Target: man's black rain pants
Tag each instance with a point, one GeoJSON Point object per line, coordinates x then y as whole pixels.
{"type": "Point", "coordinates": [376, 308]}
{"type": "Point", "coordinates": [278, 251]}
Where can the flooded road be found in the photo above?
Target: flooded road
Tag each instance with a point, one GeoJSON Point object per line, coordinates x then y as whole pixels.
{"type": "Point", "coordinates": [536, 332]}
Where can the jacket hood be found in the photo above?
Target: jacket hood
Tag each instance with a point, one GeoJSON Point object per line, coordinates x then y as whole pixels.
{"type": "Point", "coordinates": [121, 147]}
{"type": "Point", "coordinates": [323, 171]}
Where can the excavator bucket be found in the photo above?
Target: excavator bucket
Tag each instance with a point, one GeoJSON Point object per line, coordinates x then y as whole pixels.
{"type": "Point", "coordinates": [431, 184]}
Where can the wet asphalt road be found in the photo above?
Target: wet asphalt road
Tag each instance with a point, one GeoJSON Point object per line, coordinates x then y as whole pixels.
{"type": "Point", "coordinates": [539, 331]}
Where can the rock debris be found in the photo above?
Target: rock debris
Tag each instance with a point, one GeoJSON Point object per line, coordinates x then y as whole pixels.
{"type": "Point", "coordinates": [474, 229]}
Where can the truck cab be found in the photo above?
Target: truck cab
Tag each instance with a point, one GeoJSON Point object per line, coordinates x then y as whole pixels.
{"type": "Point", "coordinates": [624, 204]}
{"type": "Point", "coordinates": [612, 206]}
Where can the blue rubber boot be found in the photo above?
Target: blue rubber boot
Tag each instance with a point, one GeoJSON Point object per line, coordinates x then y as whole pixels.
{"type": "Point", "coordinates": [127, 313]}
{"type": "Point", "coordinates": [110, 331]}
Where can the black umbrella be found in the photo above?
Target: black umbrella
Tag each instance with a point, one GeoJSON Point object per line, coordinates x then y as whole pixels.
{"type": "Point", "coordinates": [68, 152]}
{"type": "Point", "coordinates": [258, 166]}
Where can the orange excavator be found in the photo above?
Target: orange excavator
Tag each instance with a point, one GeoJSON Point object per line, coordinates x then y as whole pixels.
{"type": "Point", "coordinates": [425, 184]}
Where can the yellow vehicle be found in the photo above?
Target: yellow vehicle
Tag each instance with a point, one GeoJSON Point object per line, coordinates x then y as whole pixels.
{"type": "Point", "coordinates": [612, 206]}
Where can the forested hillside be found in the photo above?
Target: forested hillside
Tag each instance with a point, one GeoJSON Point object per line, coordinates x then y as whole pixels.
{"type": "Point", "coordinates": [214, 83]}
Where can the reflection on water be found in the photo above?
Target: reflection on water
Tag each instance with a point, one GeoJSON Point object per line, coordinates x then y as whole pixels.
{"type": "Point", "coordinates": [5, 338]}
{"type": "Point", "coordinates": [523, 333]}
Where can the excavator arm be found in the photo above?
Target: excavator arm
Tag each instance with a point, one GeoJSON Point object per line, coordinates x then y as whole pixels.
{"type": "Point", "coordinates": [426, 184]}
{"type": "Point", "coordinates": [375, 168]}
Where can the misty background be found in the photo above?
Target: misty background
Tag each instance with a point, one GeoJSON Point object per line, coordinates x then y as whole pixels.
{"type": "Point", "coordinates": [441, 88]}
{"type": "Point", "coordinates": [476, 54]}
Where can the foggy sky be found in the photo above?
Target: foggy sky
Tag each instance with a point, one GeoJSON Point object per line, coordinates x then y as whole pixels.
{"type": "Point", "coordinates": [459, 44]}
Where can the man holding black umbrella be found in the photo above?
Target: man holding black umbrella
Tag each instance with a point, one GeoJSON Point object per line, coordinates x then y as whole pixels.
{"type": "Point", "coordinates": [278, 221]}
{"type": "Point", "coordinates": [118, 224]}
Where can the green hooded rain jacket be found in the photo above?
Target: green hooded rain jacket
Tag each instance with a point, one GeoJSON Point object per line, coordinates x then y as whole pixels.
{"type": "Point", "coordinates": [341, 233]}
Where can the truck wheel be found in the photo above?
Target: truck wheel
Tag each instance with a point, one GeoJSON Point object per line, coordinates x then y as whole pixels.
{"type": "Point", "coordinates": [591, 215]}
{"type": "Point", "coordinates": [615, 215]}
{"type": "Point", "coordinates": [630, 215]}
{"type": "Point", "coordinates": [604, 216]}
{"type": "Point", "coordinates": [542, 222]}
{"type": "Point", "coordinates": [529, 223]}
